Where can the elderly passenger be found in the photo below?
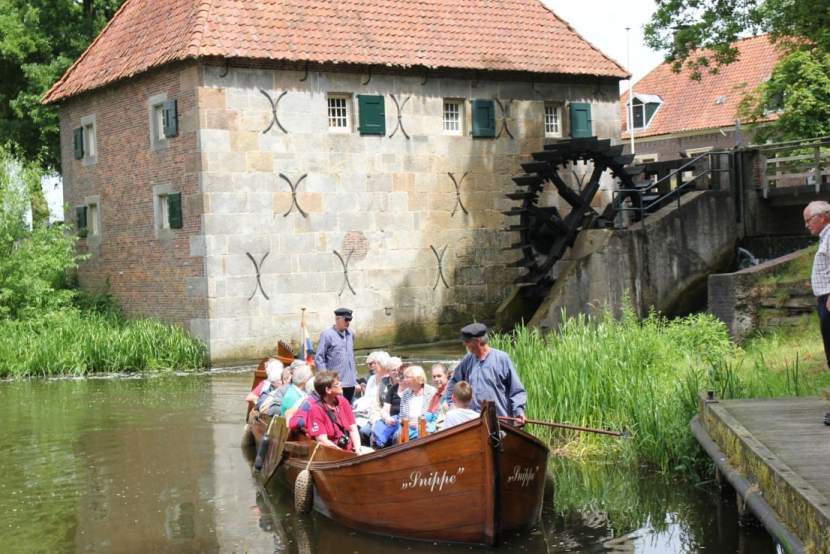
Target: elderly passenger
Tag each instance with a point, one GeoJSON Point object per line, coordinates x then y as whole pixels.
{"type": "Point", "coordinates": [416, 394]}
{"type": "Point", "coordinates": [296, 390]}
{"type": "Point", "coordinates": [391, 396]}
{"type": "Point", "coordinates": [273, 378]}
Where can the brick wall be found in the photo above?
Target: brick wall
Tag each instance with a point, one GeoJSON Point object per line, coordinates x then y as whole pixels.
{"type": "Point", "coordinates": [150, 273]}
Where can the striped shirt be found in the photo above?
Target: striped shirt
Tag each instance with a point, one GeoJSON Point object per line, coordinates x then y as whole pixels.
{"type": "Point", "coordinates": [409, 406]}
{"type": "Point", "coordinates": [335, 352]}
{"type": "Point", "coordinates": [820, 278]}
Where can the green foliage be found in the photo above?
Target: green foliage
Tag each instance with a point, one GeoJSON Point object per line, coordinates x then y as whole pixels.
{"type": "Point", "coordinates": [33, 262]}
{"type": "Point", "coordinates": [643, 376]}
{"type": "Point", "coordinates": [72, 342]}
{"type": "Point", "coordinates": [699, 34]}
{"type": "Point", "coordinates": [39, 40]}
{"type": "Point", "coordinates": [800, 88]}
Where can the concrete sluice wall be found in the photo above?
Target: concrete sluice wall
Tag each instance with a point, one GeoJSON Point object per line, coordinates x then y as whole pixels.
{"type": "Point", "coordinates": [661, 263]}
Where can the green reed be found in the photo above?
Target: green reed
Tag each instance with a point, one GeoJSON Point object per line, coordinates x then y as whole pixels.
{"type": "Point", "coordinates": [75, 342]}
{"type": "Point", "coordinates": [638, 375]}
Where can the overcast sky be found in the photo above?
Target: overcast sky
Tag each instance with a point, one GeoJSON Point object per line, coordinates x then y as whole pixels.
{"type": "Point", "coordinates": [603, 23]}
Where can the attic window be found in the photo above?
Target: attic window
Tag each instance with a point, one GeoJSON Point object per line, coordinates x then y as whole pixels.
{"type": "Point", "coordinates": [720, 100]}
{"type": "Point", "coordinates": [643, 107]}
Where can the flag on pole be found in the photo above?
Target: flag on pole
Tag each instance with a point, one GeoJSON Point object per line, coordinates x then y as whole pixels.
{"type": "Point", "coordinates": [306, 347]}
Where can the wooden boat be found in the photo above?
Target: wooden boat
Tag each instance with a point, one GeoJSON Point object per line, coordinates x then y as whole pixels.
{"type": "Point", "coordinates": [470, 483]}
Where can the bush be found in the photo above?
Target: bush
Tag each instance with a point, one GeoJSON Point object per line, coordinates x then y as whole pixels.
{"type": "Point", "coordinates": [642, 376]}
{"type": "Point", "coordinates": [77, 343]}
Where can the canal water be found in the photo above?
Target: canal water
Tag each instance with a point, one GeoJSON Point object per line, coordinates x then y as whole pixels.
{"type": "Point", "coordinates": [153, 464]}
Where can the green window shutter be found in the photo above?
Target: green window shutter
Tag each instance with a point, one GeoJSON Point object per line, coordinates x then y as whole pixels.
{"type": "Point", "coordinates": [372, 114]}
{"type": "Point", "coordinates": [484, 119]}
{"type": "Point", "coordinates": [78, 136]}
{"type": "Point", "coordinates": [174, 210]}
{"type": "Point", "coordinates": [80, 217]}
{"type": "Point", "coordinates": [581, 123]}
{"type": "Point", "coordinates": [171, 119]}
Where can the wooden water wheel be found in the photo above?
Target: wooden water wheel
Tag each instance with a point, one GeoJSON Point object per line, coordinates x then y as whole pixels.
{"type": "Point", "coordinates": [574, 168]}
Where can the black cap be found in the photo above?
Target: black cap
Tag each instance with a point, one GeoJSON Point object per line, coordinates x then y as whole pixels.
{"type": "Point", "coordinates": [345, 313]}
{"type": "Point", "coordinates": [473, 331]}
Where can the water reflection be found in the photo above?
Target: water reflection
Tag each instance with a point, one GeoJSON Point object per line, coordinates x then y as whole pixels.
{"type": "Point", "coordinates": [138, 465]}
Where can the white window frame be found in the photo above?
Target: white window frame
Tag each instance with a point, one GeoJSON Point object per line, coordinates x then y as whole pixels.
{"type": "Point", "coordinates": [550, 131]}
{"type": "Point", "coordinates": [344, 102]}
{"type": "Point", "coordinates": [90, 138]}
{"type": "Point", "coordinates": [634, 107]}
{"type": "Point", "coordinates": [453, 116]}
{"type": "Point", "coordinates": [640, 159]}
{"type": "Point", "coordinates": [155, 115]}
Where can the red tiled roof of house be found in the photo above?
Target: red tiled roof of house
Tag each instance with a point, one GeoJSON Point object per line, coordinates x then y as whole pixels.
{"type": "Point", "coordinates": [710, 103]}
{"type": "Point", "coordinates": [504, 35]}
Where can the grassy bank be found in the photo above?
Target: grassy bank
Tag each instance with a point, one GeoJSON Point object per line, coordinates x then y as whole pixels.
{"type": "Point", "coordinates": [78, 342]}
{"type": "Point", "coordinates": [644, 376]}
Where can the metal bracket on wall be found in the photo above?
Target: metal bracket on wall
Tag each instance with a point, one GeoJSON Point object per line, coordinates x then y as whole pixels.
{"type": "Point", "coordinates": [439, 257]}
{"type": "Point", "coordinates": [294, 187]}
{"type": "Point", "coordinates": [534, 89]}
{"type": "Point", "coordinates": [227, 68]}
{"type": "Point", "coordinates": [505, 113]}
{"type": "Point", "coordinates": [425, 79]}
{"type": "Point", "coordinates": [305, 75]}
{"type": "Point", "coordinates": [458, 202]}
{"type": "Point", "coordinates": [399, 123]}
{"type": "Point", "coordinates": [258, 268]}
{"type": "Point", "coordinates": [345, 263]}
{"type": "Point", "coordinates": [274, 105]}
{"type": "Point", "coordinates": [369, 78]}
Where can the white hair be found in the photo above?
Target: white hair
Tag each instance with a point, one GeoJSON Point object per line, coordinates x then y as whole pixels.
{"type": "Point", "coordinates": [416, 372]}
{"type": "Point", "coordinates": [378, 356]}
{"type": "Point", "coordinates": [273, 369]}
{"type": "Point", "coordinates": [392, 363]}
{"type": "Point", "coordinates": [302, 374]}
{"type": "Point", "coordinates": [818, 207]}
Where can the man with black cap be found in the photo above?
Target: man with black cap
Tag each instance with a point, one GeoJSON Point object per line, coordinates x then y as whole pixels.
{"type": "Point", "coordinates": [335, 351]}
{"type": "Point", "coordinates": [491, 374]}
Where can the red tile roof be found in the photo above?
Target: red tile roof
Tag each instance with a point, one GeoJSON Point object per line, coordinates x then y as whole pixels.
{"type": "Point", "coordinates": [709, 103]}
{"type": "Point", "coordinates": [505, 35]}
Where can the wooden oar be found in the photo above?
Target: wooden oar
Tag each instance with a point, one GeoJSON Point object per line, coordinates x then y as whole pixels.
{"type": "Point", "coordinates": [566, 426]}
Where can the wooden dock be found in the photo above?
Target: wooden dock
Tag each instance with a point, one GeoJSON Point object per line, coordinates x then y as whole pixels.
{"type": "Point", "coordinates": [776, 454]}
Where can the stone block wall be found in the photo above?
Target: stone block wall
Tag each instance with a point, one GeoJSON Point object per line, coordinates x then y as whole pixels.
{"type": "Point", "coordinates": [423, 257]}
{"type": "Point", "coordinates": [150, 273]}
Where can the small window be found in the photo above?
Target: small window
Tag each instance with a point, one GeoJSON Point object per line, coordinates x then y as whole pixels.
{"type": "Point", "coordinates": [158, 122]}
{"type": "Point", "coordinates": [339, 113]}
{"type": "Point", "coordinates": [164, 120]}
{"type": "Point", "coordinates": [454, 117]}
{"type": "Point", "coordinates": [86, 147]}
{"type": "Point", "coordinates": [553, 119]}
{"type": "Point", "coordinates": [171, 210]}
{"type": "Point", "coordinates": [642, 159]}
{"type": "Point", "coordinates": [695, 152]}
{"type": "Point", "coordinates": [643, 108]}
{"type": "Point", "coordinates": [81, 221]}
{"type": "Point", "coordinates": [93, 225]}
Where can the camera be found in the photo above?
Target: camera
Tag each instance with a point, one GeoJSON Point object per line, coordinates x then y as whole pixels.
{"type": "Point", "coordinates": [342, 442]}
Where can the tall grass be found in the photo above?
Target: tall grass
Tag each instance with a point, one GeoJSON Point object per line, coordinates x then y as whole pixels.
{"type": "Point", "coordinates": [642, 376]}
{"type": "Point", "coordinates": [75, 342]}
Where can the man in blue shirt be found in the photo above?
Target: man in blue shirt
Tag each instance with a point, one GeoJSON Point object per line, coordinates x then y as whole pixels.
{"type": "Point", "coordinates": [491, 374]}
{"type": "Point", "coordinates": [335, 351]}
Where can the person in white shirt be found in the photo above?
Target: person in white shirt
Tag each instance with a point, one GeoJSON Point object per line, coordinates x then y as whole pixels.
{"type": "Point", "coordinates": [817, 221]}
{"type": "Point", "coordinates": [462, 396]}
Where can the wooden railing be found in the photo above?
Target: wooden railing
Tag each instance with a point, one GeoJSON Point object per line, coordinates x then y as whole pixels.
{"type": "Point", "coordinates": [796, 163]}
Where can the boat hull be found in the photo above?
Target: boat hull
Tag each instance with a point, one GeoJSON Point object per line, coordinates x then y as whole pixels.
{"type": "Point", "coordinates": [471, 483]}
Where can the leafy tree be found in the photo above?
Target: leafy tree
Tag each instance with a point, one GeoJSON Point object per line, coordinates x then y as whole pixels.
{"type": "Point", "coordinates": [699, 34]}
{"type": "Point", "coordinates": [33, 262]}
{"type": "Point", "coordinates": [39, 40]}
{"type": "Point", "coordinates": [799, 90]}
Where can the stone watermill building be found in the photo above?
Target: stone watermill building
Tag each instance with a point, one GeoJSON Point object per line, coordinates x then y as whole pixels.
{"type": "Point", "coordinates": [228, 163]}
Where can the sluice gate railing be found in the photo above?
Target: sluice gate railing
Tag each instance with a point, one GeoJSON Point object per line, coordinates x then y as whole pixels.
{"type": "Point", "coordinates": [796, 163]}
{"type": "Point", "coordinates": [666, 184]}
